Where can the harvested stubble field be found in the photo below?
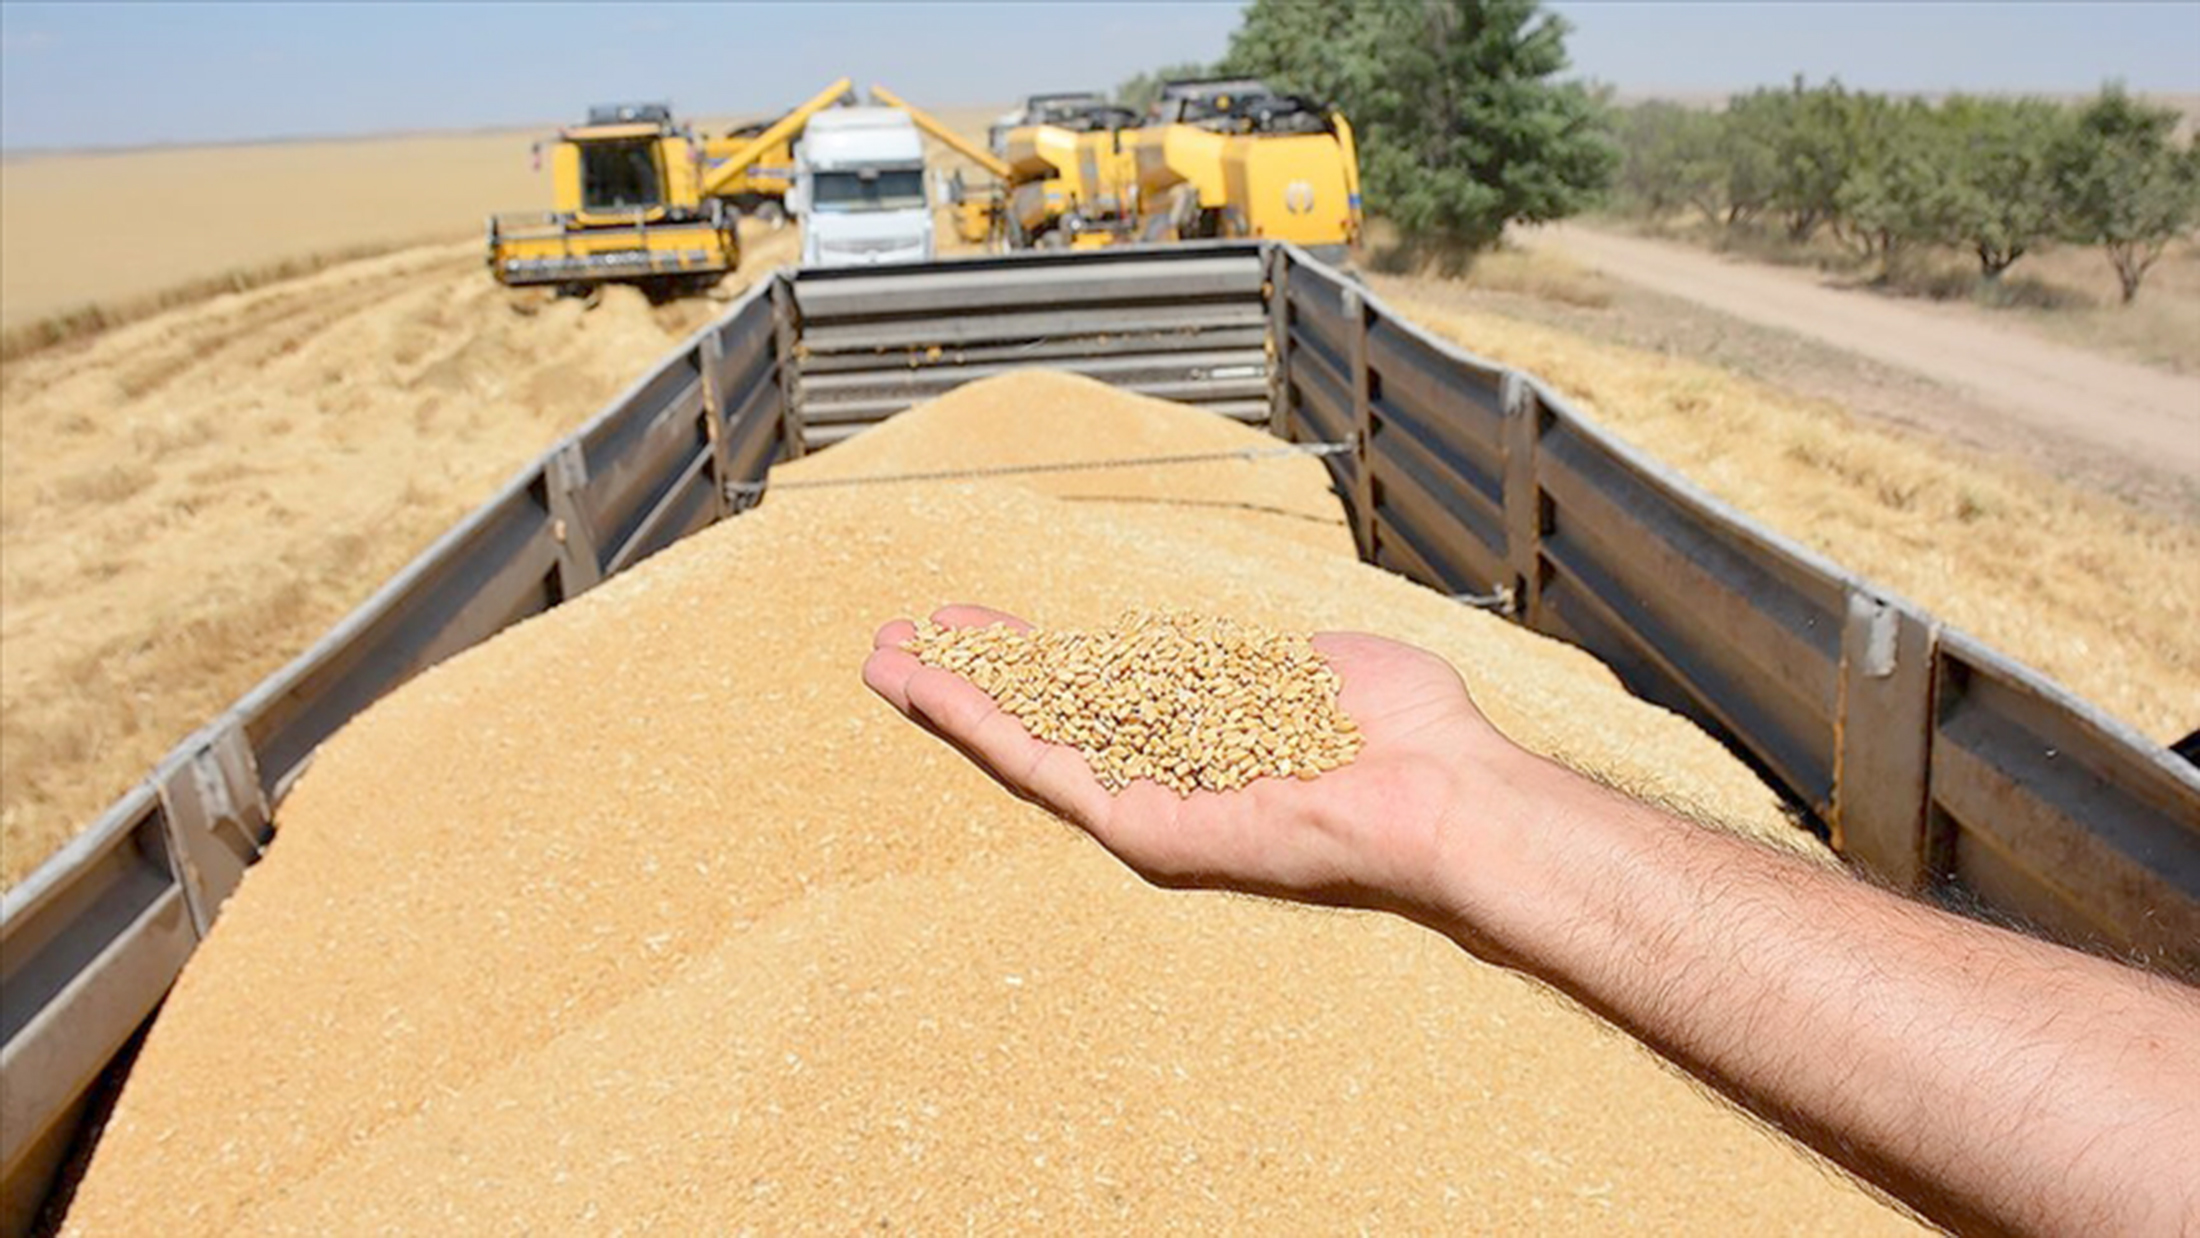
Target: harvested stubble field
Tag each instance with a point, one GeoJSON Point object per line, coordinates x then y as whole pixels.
{"type": "Point", "coordinates": [186, 502]}
{"type": "Point", "coordinates": [230, 454]}
{"type": "Point", "coordinates": [732, 946]}
{"type": "Point", "coordinates": [2096, 593]}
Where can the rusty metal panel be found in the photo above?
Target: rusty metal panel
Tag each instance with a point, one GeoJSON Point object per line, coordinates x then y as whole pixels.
{"type": "Point", "coordinates": [1312, 366]}
{"type": "Point", "coordinates": [1324, 409]}
{"type": "Point", "coordinates": [2048, 809]}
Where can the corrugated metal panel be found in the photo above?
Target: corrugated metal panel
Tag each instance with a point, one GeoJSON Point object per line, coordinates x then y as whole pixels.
{"type": "Point", "coordinates": [1752, 638]}
{"type": "Point", "coordinates": [2051, 811]}
{"type": "Point", "coordinates": [1185, 323]}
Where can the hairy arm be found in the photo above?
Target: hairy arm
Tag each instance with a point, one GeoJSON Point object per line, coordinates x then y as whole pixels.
{"type": "Point", "coordinates": [1991, 1081]}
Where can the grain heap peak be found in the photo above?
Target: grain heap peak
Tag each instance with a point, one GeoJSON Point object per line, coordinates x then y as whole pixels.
{"type": "Point", "coordinates": [1193, 702]}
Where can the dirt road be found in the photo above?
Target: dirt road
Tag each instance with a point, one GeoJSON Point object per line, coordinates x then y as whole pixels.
{"type": "Point", "coordinates": [2033, 387]}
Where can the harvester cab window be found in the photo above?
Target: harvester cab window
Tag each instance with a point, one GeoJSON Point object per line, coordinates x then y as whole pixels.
{"type": "Point", "coordinates": [620, 176]}
{"type": "Point", "coordinates": [887, 189]}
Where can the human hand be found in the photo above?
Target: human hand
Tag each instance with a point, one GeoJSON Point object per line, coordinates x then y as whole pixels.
{"type": "Point", "coordinates": [1376, 833]}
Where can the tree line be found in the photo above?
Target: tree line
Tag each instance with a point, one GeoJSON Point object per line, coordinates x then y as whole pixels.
{"type": "Point", "coordinates": [1467, 122]}
{"type": "Point", "coordinates": [1994, 177]}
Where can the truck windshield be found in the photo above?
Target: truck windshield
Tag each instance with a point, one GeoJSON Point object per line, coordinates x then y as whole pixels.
{"type": "Point", "coordinates": [898, 189]}
{"type": "Point", "coordinates": [620, 176]}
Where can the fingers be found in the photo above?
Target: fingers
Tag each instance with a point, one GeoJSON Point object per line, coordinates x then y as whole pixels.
{"type": "Point", "coordinates": [966, 717]}
{"type": "Point", "coordinates": [967, 616]}
{"type": "Point", "coordinates": [894, 635]}
{"type": "Point", "coordinates": [888, 670]}
{"type": "Point", "coordinates": [1056, 776]}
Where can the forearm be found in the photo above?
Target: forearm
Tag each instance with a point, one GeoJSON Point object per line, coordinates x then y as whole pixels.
{"type": "Point", "coordinates": [1990, 1080]}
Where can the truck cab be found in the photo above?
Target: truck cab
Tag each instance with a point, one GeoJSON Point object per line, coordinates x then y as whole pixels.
{"type": "Point", "coordinates": [860, 189]}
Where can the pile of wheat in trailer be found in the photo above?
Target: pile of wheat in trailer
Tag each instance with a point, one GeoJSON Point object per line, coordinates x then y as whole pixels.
{"type": "Point", "coordinates": [1419, 617]}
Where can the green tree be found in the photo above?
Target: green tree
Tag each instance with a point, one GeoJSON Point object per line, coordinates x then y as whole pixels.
{"type": "Point", "coordinates": [1463, 123]}
{"type": "Point", "coordinates": [1141, 91]}
{"type": "Point", "coordinates": [1671, 157]}
{"type": "Point", "coordinates": [1902, 191]}
{"type": "Point", "coordinates": [2123, 183]}
{"type": "Point", "coordinates": [1297, 46]}
{"type": "Point", "coordinates": [1750, 136]}
{"type": "Point", "coordinates": [1812, 138]}
{"type": "Point", "coordinates": [2001, 176]}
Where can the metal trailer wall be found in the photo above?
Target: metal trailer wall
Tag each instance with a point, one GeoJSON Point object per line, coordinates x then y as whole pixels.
{"type": "Point", "coordinates": [1934, 761]}
{"type": "Point", "coordinates": [1186, 323]}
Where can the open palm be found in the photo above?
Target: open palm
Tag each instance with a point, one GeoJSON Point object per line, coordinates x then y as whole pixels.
{"type": "Point", "coordinates": [1370, 834]}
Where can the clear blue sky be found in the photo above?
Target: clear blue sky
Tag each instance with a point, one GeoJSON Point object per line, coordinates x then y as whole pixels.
{"type": "Point", "coordinates": [84, 74]}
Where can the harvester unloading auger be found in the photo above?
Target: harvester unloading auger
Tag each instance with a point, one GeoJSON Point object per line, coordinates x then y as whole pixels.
{"type": "Point", "coordinates": [1219, 159]}
{"type": "Point", "coordinates": [635, 198]}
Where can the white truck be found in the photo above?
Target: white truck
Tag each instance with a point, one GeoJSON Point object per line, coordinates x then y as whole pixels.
{"type": "Point", "coordinates": [860, 189]}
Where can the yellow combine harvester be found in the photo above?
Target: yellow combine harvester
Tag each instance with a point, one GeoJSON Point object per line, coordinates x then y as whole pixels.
{"type": "Point", "coordinates": [634, 199]}
{"type": "Point", "coordinates": [1063, 169]}
{"type": "Point", "coordinates": [626, 206]}
{"type": "Point", "coordinates": [1219, 159]}
{"type": "Point", "coordinates": [1232, 158]}
{"type": "Point", "coordinates": [1079, 186]}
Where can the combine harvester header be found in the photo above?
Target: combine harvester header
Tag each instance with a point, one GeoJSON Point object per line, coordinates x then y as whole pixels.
{"type": "Point", "coordinates": [633, 201]}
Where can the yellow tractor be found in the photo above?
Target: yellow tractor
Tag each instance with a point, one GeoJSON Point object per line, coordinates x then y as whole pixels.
{"type": "Point", "coordinates": [626, 206]}
{"type": "Point", "coordinates": [635, 198]}
{"type": "Point", "coordinates": [1232, 158]}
